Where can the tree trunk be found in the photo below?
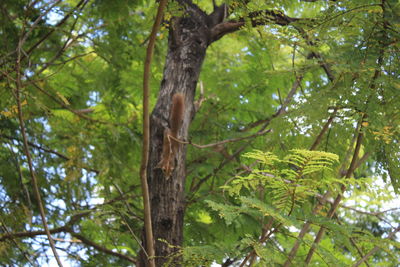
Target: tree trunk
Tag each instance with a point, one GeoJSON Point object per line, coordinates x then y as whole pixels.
{"type": "Point", "coordinates": [189, 38]}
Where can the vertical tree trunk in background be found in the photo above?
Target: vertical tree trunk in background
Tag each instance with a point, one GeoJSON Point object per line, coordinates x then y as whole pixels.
{"type": "Point", "coordinates": [187, 44]}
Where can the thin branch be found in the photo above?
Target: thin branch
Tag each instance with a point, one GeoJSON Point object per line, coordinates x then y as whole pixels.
{"type": "Point", "coordinates": [64, 228]}
{"type": "Point", "coordinates": [325, 66]}
{"type": "Point", "coordinates": [369, 213]}
{"type": "Point", "coordinates": [35, 23]}
{"type": "Point", "coordinates": [263, 130]}
{"type": "Point", "coordinates": [336, 203]}
{"type": "Point", "coordinates": [266, 233]}
{"type": "Point", "coordinates": [20, 175]}
{"type": "Point", "coordinates": [322, 200]}
{"type": "Point", "coordinates": [11, 235]}
{"type": "Point", "coordinates": [79, 6]}
{"type": "Point", "coordinates": [321, 62]}
{"type": "Point", "coordinates": [67, 228]}
{"type": "Point", "coordinates": [101, 248]}
{"type": "Point", "coordinates": [78, 112]}
{"type": "Point", "coordinates": [196, 187]}
{"type": "Point", "coordinates": [17, 95]}
{"type": "Point", "coordinates": [352, 240]}
{"type": "Point", "coordinates": [26, 255]}
{"type": "Point", "coordinates": [64, 105]}
{"type": "Point", "coordinates": [124, 219]}
{"type": "Point", "coordinates": [323, 131]}
{"type": "Point", "coordinates": [33, 3]}
{"type": "Point", "coordinates": [68, 241]}
{"type": "Point", "coordinates": [221, 142]}
{"type": "Point", "coordinates": [289, 97]}
{"type": "Point", "coordinates": [146, 136]}
{"type": "Point", "coordinates": [281, 110]}
{"type": "Point", "coordinates": [67, 44]}
{"type": "Point", "coordinates": [228, 262]}
{"type": "Point", "coordinates": [48, 150]}
{"type": "Point", "coordinates": [353, 164]}
{"type": "Point", "coordinates": [313, 147]}
{"type": "Point", "coordinates": [376, 248]}
{"type": "Point", "coordinates": [60, 102]}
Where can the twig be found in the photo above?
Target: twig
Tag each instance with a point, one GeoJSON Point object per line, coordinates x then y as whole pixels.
{"type": "Point", "coordinates": [266, 233]}
{"type": "Point", "coordinates": [373, 213]}
{"type": "Point", "coordinates": [23, 185]}
{"type": "Point", "coordinates": [69, 241]}
{"type": "Point", "coordinates": [125, 221]}
{"type": "Point", "coordinates": [199, 102]}
{"type": "Point", "coordinates": [221, 165]}
{"type": "Point", "coordinates": [60, 101]}
{"type": "Point", "coordinates": [220, 142]}
{"type": "Point", "coordinates": [56, 230]}
{"type": "Point", "coordinates": [352, 241]}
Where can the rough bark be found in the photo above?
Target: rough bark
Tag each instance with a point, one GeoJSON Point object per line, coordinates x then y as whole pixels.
{"type": "Point", "coordinates": [190, 35]}
{"type": "Point", "coordinates": [189, 38]}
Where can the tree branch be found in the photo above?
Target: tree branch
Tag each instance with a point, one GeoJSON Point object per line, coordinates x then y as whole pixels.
{"type": "Point", "coordinates": [194, 188]}
{"type": "Point", "coordinates": [257, 18]}
{"type": "Point", "coordinates": [353, 164]}
{"type": "Point", "coordinates": [64, 228]}
{"type": "Point", "coordinates": [323, 131]}
{"type": "Point", "coordinates": [26, 255]}
{"type": "Point", "coordinates": [376, 248]}
{"type": "Point", "coordinates": [101, 248]}
{"type": "Point", "coordinates": [31, 233]}
{"type": "Point", "coordinates": [336, 203]}
{"type": "Point", "coordinates": [221, 142]}
{"type": "Point", "coordinates": [265, 123]}
{"type": "Point", "coordinates": [281, 110]}
{"type": "Point", "coordinates": [48, 150]}
{"type": "Point", "coordinates": [322, 200]}
{"type": "Point", "coordinates": [67, 228]}
{"type": "Point", "coordinates": [316, 55]}
{"type": "Point", "coordinates": [80, 5]}
{"type": "Point", "coordinates": [17, 96]}
{"type": "Point", "coordinates": [146, 136]}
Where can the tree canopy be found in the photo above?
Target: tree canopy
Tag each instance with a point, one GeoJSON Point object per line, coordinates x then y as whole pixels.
{"type": "Point", "coordinates": [289, 151]}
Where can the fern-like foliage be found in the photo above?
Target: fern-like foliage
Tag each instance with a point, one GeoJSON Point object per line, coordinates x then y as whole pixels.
{"type": "Point", "coordinates": [290, 180]}
{"type": "Point", "coordinates": [278, 190]}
